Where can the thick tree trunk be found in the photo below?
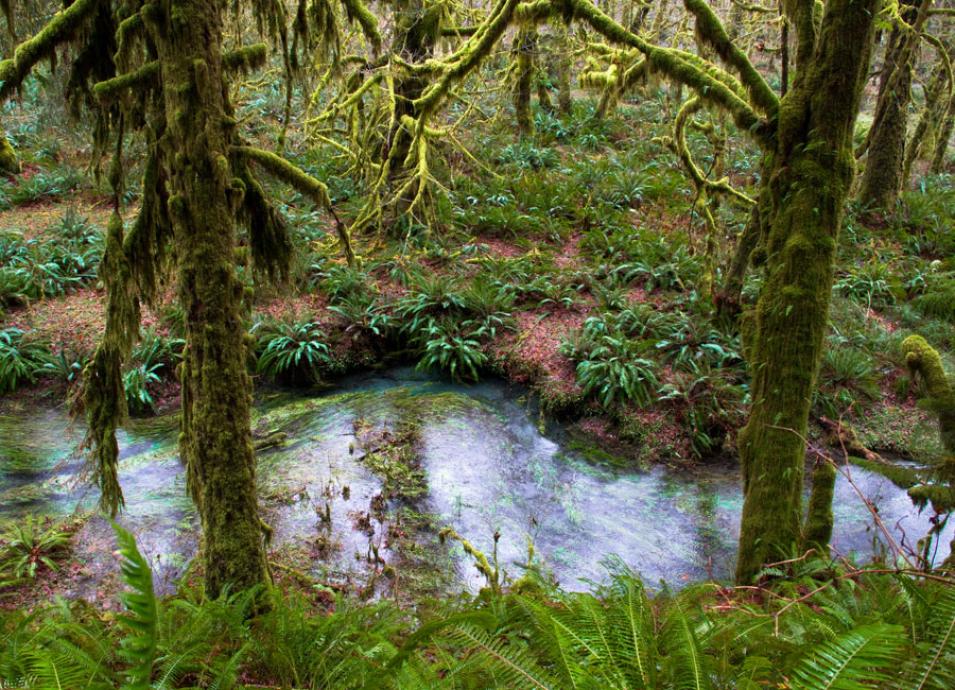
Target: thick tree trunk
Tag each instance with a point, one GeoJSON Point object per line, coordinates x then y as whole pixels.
{"type": "Point", "coordinates": [216, 441]}
{"type": "Point", "coordinates": [811, 170]}
{"type": "Point", "coordinates": [9, 162]}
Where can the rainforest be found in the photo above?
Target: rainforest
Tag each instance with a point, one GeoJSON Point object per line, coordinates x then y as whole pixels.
{"type": "Point", "coordinates": [553, 344]}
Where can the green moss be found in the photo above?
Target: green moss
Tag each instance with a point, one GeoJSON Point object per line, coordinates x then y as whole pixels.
{"type": "Point", "coordinates": [924, 361]}
{"type": "Point", "coordinates": [9, 162]}
{"type": "Point", "coordinates": [60, 29]}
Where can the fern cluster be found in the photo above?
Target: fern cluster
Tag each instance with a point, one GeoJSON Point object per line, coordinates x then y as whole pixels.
{"type": "Point", "coordinates": [857, 630]}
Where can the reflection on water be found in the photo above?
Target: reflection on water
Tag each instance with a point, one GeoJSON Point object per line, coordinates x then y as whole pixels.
{"type": "Point", "coordinates": [488, 470]}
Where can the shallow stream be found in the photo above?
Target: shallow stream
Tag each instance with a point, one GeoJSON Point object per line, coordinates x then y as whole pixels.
{"type": "Point", "coordinates": [487, 468]}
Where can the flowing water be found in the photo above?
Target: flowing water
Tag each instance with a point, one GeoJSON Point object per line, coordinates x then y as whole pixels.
{"type": "Point", "coordinates": [487, 469]}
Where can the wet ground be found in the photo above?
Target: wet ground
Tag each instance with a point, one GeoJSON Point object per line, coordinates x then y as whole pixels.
{"type": "Point", "coordinates": [362, 479]}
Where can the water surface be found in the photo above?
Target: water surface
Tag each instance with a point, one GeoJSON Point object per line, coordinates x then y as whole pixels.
{"type": "Point", "coordinates": [488, 470]}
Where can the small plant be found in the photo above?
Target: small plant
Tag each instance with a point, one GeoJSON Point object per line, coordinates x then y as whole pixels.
{"type": "Point", "coordinates": [460, 355]}
{"type": "Point", "coordinates": [871, 285]}
{"type": "Point", "coordinates": [296, 351]}
{"type": "Point", "coordinates": [136, 383]}
{"type": "Point", "coordinates": [612, 370]}
{"type": "Point", "coordinates": [65, 366]}
{"type": "Point", "coordinates": [528, 156]}
{"type": "Point", "coordinates": [365, 315]}
{"type": "Point", "coordinates": [28, 545]}
{"type": "Point", "coordinates": [20, 359]}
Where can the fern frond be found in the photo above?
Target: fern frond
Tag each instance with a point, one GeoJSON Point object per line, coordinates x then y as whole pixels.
{"type": "Point", "coordinates": [855, 660]}
{"type": "Point", "coordinates": [141, 617]}
{"type": "Point", "coordinates": [934, 668]}
{"type": "Point", "coordinates": [509, 665]}
{"type": "Point", "coordinates": [687, 663]}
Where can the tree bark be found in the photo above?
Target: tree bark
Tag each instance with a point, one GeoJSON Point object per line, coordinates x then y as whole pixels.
{"type": "Point", "coordinates": [215, 440]}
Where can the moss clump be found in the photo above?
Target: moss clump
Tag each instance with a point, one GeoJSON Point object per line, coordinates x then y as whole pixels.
{"type": "Point", "coordinates": [9, 162]}
{"type": "Point", "coordinates": [925, 363]}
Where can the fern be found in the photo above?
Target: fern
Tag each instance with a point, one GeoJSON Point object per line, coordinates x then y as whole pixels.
{"type": "Point", "coordinates": [687, 664]}
{"type": "Point", "coordinates": [934, 668]}
{"type": "Point", "coordinates": [138, 648]}
{"type": "Point", "coordinates": [509, 665]}
{"type": "Point", "coordinates": [855, 660]}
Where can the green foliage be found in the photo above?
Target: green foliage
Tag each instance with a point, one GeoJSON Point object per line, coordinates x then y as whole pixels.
{"type": "Point", "coordinates": [846, 375]}
{"type": "Point", "coordinates": [154, 356]}
{"type": "Point", "coordinates": [65, 366]}
{"type": "Point", "coordinates": [140, 620]}
{"type": "Point", "coordinates": [365, 314]}
{"type": "Point", "coordinates": [871, 284]}
{"type": "Point", "coordinates": [458, 354]}
{"type": "Point", "coordinates": [937, 298]}
{"type": "Point", "coordinates": [296, 352]}
{"type": "Point", "coordinates": [21, 359]}
{"type": "Point", "coordinates": [527, 156]}
{"type": "Point", "coordinates": [41, 186]}
{"type": "Point", "coordinates": [612, 370]}
{"type": "Point", "coordinates": [28, 545]}
{"type": "Point", "coordinates": [857, 631]}
{"type": "Point", "coordinates": [925, 215]}
{"type": "Point", "coordinates": [38, 267]}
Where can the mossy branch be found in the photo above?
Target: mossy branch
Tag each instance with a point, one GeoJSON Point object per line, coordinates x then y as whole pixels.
{"type": "Point", "coordinates": [712, 84]}
{"type": "Point", "coordinates": [243, 59]}
{"type": "Point", "coordinates": [61, 28]}
{"type": "Point", "coordinates": [700, 180]}
{"type": "Point", "coordinates": [246, 58]}
{"type": "Point", "coordinates": [297, 178]}
{"type": "Point", "coordinates": [358, 12]}
{"type": "Point", "coordinates": [710, 29]}
{"type": "Point", "coordinates": [146, 77]}
{"type": "Point", "coordinates": [924, 361]}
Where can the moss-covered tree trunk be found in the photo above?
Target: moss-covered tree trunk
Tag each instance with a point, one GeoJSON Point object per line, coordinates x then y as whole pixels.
{"type": "Point", "coordinates": [216, 441]}
{"type": "Point", "coordinates": [525, 43]}
{"type": "Point", "coordinates": [932, 114]}
{"type": "Point", "coordinates": [944, 134]}
{"type": "Point", "coordinates": [811, 168]}
{"type": "Point", "coordinates": [882, 179]}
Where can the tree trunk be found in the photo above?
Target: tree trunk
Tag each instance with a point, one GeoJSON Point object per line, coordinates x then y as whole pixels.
{"type": "Point", "coordinates": [931, 117]}
{"type": "Point", "coordinates": [882, 178]}
{"type": "Point", "coordinates": [945, 133]}
{"type": "Point", "coordinates": [729, 300]}
{"type": "Point", "coordinates": [811, 169]}
{"type": "Point", "coordinates": [524, 45]}
{"type": "Point", "coordinates": [216, 441]}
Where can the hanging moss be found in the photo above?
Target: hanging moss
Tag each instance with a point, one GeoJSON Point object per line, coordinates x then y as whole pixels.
{"type": "Point", "coordinates": [61, 28]}
{"type": "Point", "coordinates": [103, 395]}
{"type": "Point", "coordinates": [303, 182]}
{"type": "Point", "coordinates": [269, 237]}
